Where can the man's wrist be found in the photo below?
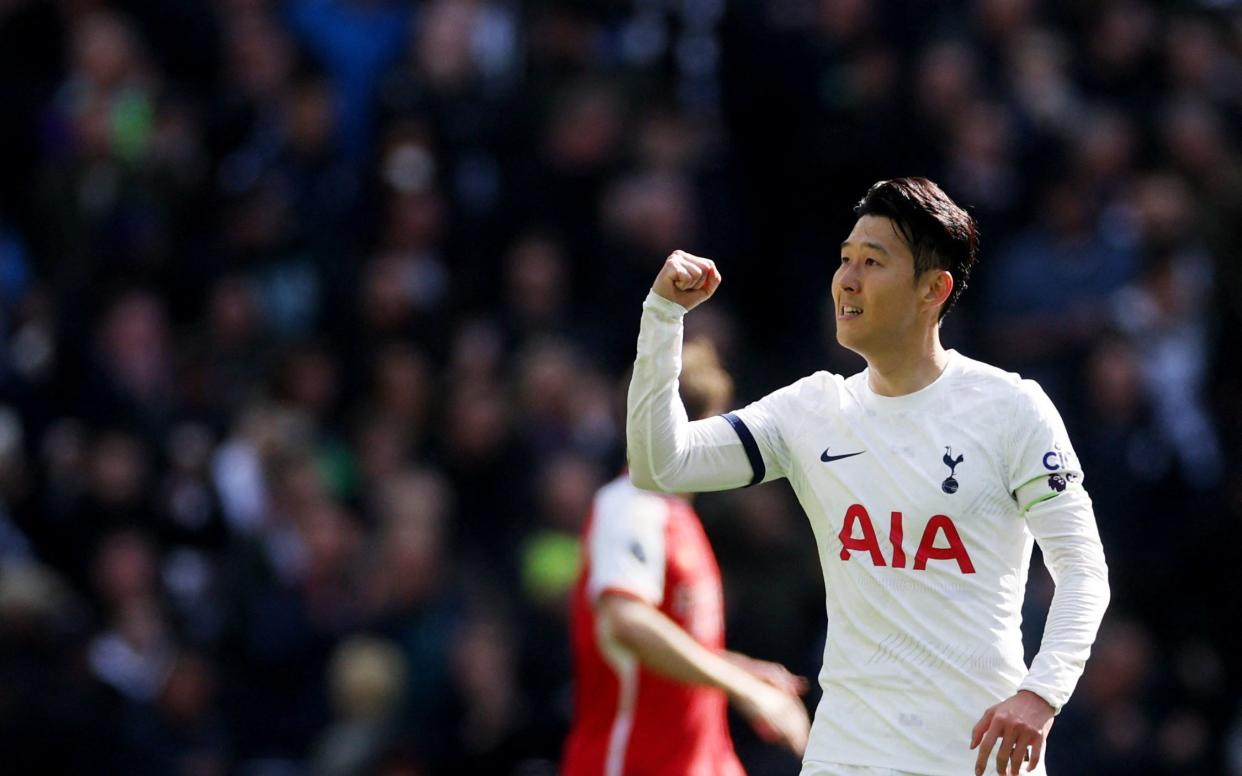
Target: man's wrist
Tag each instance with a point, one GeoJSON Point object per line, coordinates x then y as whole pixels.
{"type": "Point", "coordinates": [738, 683]}
{"type": "Point", "coordinates": [1052, 708]}
{"type": "Point", "coordinates": [663, 305]}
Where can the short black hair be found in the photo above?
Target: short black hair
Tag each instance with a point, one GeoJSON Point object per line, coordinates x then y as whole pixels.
{"type": "Point", "coordinates": [940, 233]}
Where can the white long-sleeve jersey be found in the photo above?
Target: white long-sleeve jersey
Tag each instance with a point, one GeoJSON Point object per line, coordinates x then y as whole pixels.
{"type": "Point", "coordinates": [924, 509]}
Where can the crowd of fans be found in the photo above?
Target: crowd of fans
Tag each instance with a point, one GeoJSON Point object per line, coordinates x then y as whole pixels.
{"type": "Point", "coordinates": [315, 316]}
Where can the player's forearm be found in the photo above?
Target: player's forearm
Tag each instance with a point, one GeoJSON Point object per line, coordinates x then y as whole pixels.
{"type": "Point", "coordinates": [666, 451]}
{"type": "Point", "coordinates": [1066, 531]}
{"type": "Point", "coordinates": [655, 415]}
{"type": "Point", "coordinates": [664, 648]}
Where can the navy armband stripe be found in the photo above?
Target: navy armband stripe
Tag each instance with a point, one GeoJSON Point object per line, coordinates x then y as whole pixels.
{"type": "Point", "coordinates": [750, 446]}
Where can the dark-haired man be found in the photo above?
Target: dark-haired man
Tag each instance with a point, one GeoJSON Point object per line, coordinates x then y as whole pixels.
{"type": "Point", "coordinates": [926, 478]}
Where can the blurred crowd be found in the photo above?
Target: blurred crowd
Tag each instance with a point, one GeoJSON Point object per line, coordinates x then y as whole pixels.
{"type": "Point", "coordinates": [315, 314]}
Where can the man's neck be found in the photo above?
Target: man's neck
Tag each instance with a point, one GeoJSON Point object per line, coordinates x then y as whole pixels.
{"type": "Point", "coordinates": [907, 369]}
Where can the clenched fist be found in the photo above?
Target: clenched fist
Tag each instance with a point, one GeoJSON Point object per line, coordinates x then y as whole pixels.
{"type": "Point", "coordinates": [687, 280]}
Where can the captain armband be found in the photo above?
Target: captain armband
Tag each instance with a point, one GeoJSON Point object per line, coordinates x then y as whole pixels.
{"type": "Point", "coordinates": [1046, 486]}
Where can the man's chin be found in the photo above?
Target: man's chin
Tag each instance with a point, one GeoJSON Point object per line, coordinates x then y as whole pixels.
{"type": "Point", "coordinates": [849, 340]}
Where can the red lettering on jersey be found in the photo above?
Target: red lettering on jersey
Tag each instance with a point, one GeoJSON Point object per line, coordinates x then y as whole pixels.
{"type": "Point", "coordinates": [858, 514]}
{"type": "Point", "coordinates": [895, 537]}
{"type": "Point", "coordinates": [955, 551]}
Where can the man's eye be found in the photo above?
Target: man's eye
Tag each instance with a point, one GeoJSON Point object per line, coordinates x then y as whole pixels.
{"type": "Point", "coordinates": [845, 259]}
{"type": "Point", "coordinates": [871, 262]}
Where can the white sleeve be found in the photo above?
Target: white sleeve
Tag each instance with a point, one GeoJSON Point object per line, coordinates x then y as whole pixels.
{"type": "Point", "coordinates": [626, 545]}
{"type": "Point", "coordinates": [758, 425]}
{"type": "Point", "coordinates": [666, 451]}
{"type": "Point", "coordinates": [1047, 482]}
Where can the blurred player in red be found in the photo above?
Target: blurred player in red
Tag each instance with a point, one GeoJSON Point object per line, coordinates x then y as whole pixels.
{"type": "Point", "coordinates": [651, 676]}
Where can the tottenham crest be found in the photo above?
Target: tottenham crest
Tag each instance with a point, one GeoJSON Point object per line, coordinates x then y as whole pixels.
{"type": "Point", "coordinates": [950, 485]}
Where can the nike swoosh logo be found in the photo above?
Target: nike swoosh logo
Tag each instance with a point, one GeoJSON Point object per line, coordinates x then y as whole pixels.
{"type": "Point", "coordinates": [830, 458]}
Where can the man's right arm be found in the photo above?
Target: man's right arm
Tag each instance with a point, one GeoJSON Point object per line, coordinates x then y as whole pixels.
{"type": "Point", "coordinates": [666, 451]}
{"type": "Point", "coordinates": [663, 647]}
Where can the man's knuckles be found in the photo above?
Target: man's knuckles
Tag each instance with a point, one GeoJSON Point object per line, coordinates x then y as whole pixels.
{"type": "Point", "coordinates": [1010, 720]}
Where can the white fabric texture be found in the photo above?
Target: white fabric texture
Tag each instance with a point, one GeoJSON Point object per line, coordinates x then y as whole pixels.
{"type": "Point", "coordinates": [626, 543]}
{"type": "Point", "coordinates": [838, 769]}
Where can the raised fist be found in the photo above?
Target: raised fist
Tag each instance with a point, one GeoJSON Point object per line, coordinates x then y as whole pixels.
{"type": "Point", "coordinates": [686, 279]}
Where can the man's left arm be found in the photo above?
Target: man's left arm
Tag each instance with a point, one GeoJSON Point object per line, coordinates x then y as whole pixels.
{"type": "Point", "coordinates": [1048, 487]}
{"type": "Point", "coordinates": [1067, 534]}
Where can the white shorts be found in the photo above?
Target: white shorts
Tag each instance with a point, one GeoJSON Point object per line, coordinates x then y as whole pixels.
{"type": "Point", "coordinates": [838, 769]}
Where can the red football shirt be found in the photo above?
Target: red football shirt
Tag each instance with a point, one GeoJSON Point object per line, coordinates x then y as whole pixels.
{"type": "Point", "coordinates": [629, 721]}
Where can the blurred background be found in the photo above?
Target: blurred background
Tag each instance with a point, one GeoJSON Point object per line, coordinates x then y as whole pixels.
{"type": "Point", "coordinates": [314, 315]}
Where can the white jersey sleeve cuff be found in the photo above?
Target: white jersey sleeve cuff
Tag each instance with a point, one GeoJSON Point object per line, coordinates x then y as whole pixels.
{"type": "Point", "coordinates": [1049, 695]}
{"type": "Point", "coordinates": [666, 308]}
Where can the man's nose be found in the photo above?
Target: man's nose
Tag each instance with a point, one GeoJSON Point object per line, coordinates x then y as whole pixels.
{"type": "Point", "coordinates": [847, 278]}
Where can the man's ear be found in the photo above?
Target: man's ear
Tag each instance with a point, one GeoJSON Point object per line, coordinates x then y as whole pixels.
{"type": "Point", "coordinates": [939, 288]}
